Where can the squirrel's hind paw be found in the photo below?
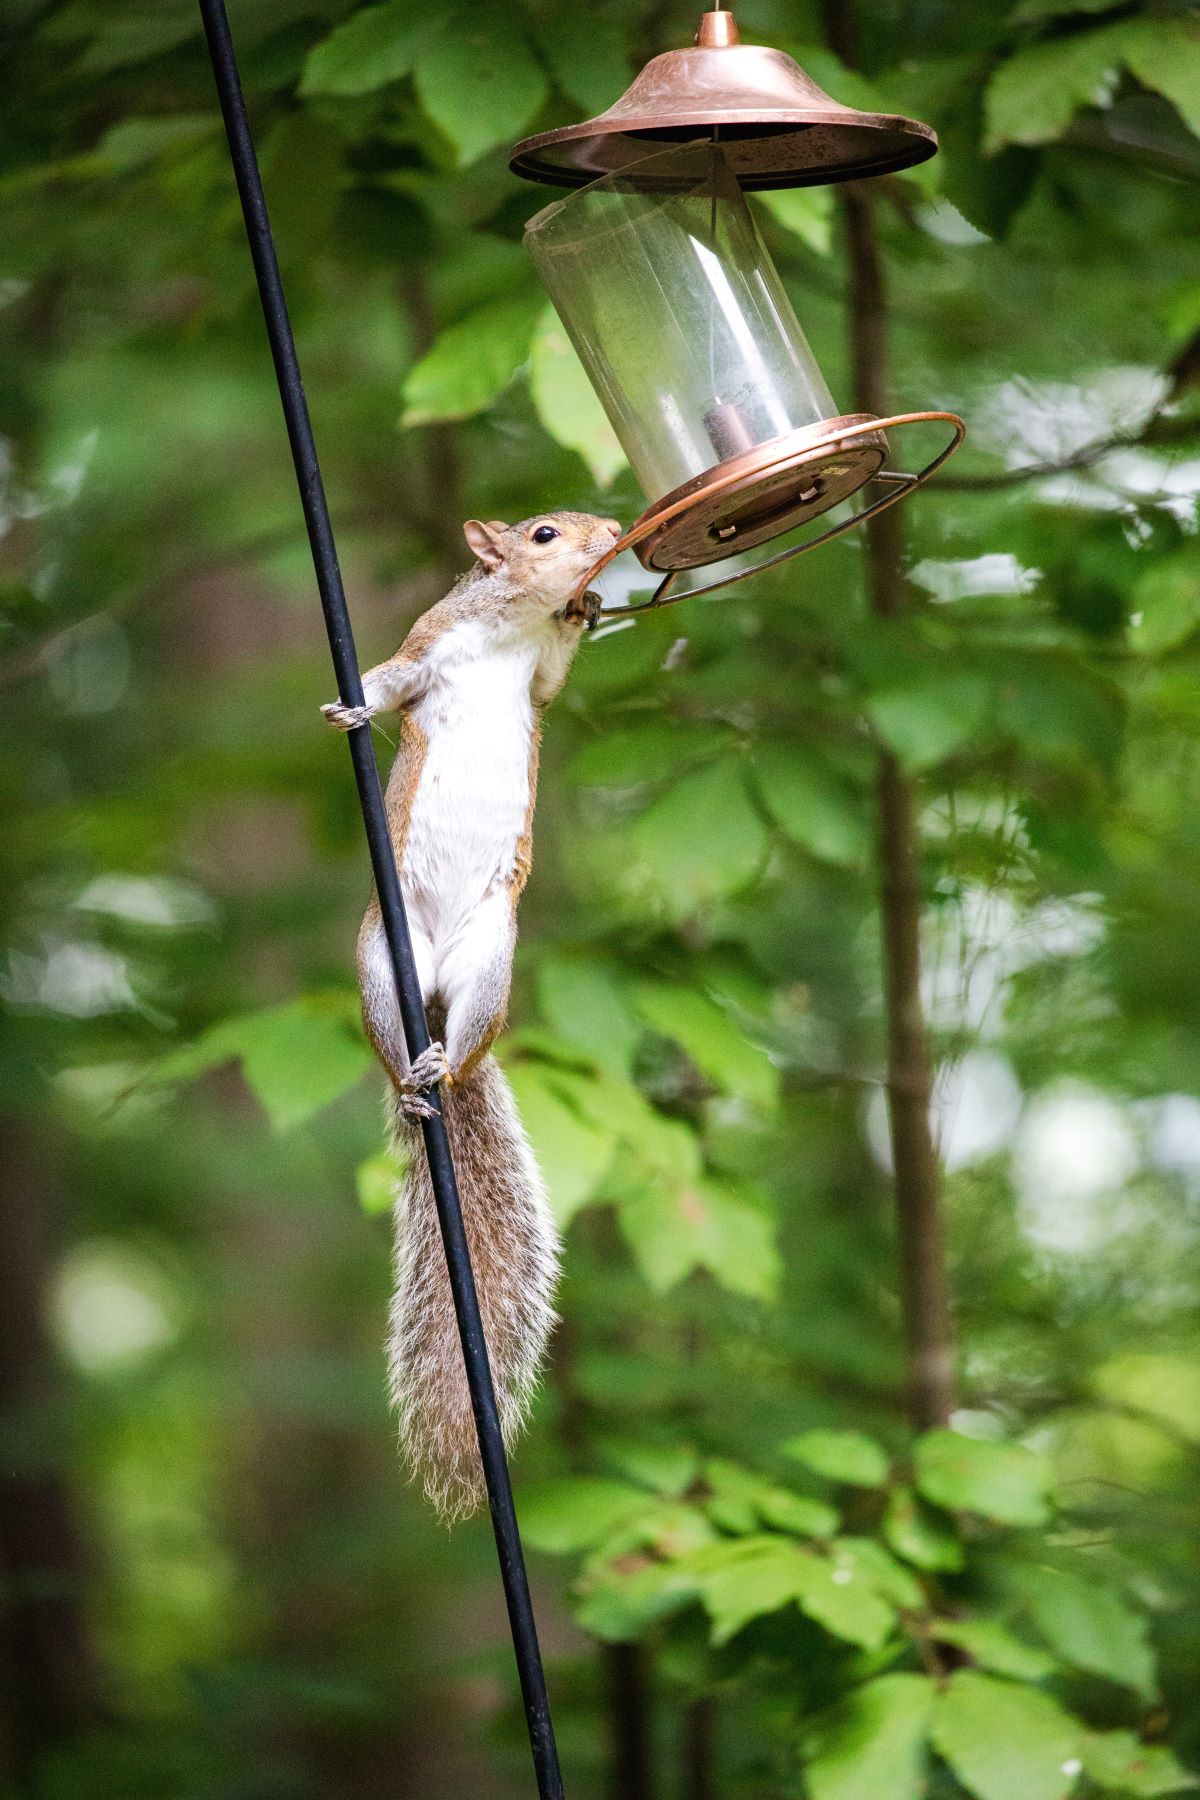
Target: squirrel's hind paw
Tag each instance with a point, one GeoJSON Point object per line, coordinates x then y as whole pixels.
{"type": "Point", "coordinates": [414, 1106]}
{"type": "Point", "coordinates": [430, 1067]}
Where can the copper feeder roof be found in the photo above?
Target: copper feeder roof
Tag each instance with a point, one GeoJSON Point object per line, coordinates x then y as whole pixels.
{"type": "Point", "coordinates": [777, 127]}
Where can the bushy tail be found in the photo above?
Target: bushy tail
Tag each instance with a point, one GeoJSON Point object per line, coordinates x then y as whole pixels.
{"type": "Point", "coordinates": [514, 1249]}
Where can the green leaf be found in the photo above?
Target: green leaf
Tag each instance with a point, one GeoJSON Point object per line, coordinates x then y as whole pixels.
{"type": "Point", "coordinates": [1035, 94]}
{"type": "Point", "coordinates": [1058, 709]}
{"type": "Point", "coordinates": [700, 842]}
{"type": "Point", "coordinates": [735, 1239]}
{"type": "Point", "coordinates": [1119, 1760]}
{"type": "Point", "coordinates": [798, 1513]}
{"type": "Point", "coordinates": [667, 1150]}
{"type": "Point", "coordinates": [664, 1152]}
{"type": "Point", "coordinates": [712, 1040]}
{"type": "Point", "coordinates": [1096, 1444]}
{"type": "Point", "coordinates": [579, 1512]}
{"type": "Point", "coordinates": [703, 1225]}
{"type": "Point", "coordinates": [846, 1456]}
{"type": "Point", "coordinates": [131, 35]}
{"type": "Point", "coordinates": [813, 805]}
{"type": "Point", "coordinates": [372, 47]}
{"type": "Point", "coordinates": [930, 716]}
{"type": "Point", "coordinates": [659, 1231]}
{"type": "Point", "coordinates": [1033, 97]}
{"type": "Point", "coordinates": [1164, 1387]}
{"type": "Point", "coordinates": [583, 998]}
{"type": "Point", "coordinates": [136, 143]}
{"type": "Point", "coordinates": [620, 1604]}
{"type": "Point", "coordinates": [297, 1058]}
{"type": "Point", "coordinates": [1165, 604]}
{"type": "Point", "coordinates": [806, 212]}
{"type": "Point", "coordinates": [919, 1535]}
{"type": "Point", "coordinates": [994, 1647]}
{"type": "Point", "coordinates": [648, 751]}
{"type": "Point", "coordinates": [733, 1500]}
{"type": "Point", "coordinates": [377, 1180]}
{"type": "Point", "coordinates": [586, 53]}
{"type": "Point", "coordinates": [1005, 1482]}
{"type": "Point", "coordinates": [754, 1576]}
{"type": "Point", "coordinates": [840, 1596]}
{"type": "Point", "coordinates": [739, 1501]}
{"type": "Point", "coordinates": [867, 1558]}
{"type": "Point", "coordinates": [872, 1744]}
{"type": "Point", "coordinates": [471, 363]}
{"type": "Point", "coordinates": [565, 401]}
{"type": "Point", "coordinates": [479, 81]}
{"type": "Point", "coordinates": [667, 1468]}
{"type": "Point", "coordinates": [1164, 54]}
{"type": "Point", "coordinates": [572, 1151]}
{"type": "Point", "coordinates": [1091, 1627]}
{"type": "Point", "coordinates": [750, 1579]}
{"type": "Point", "coordinates": [1005, 1742]}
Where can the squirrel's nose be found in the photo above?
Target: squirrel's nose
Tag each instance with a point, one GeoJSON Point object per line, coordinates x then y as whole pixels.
{"type": "Point", "coordinates": [613, 526]}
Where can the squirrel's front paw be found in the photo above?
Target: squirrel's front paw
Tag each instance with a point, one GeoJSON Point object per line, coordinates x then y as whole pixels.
{"type": "Point", "coordinates": [346, 718]}
{"type": "Point", "coordinates": [585, 611]}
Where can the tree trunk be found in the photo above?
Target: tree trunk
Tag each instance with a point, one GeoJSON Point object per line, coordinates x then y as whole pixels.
{"type": "Point", "coordinates": [625, 1668]}
{"type": "Point", "coordinates": [47, 1670]}
{"type": "Point", "coordinates": [924, 1296]}
{"type": "Point", "coordinates": [698, 1750]}
{"type": "Point", "coordinates": [437, 493]}
{"type": "Point", "coordinates": [629, 1723]}
{"type": "Point", "coordinates": [928, 1332]}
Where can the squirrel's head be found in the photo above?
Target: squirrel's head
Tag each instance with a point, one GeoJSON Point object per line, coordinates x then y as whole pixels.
{"type": "Point", "coordinates": [544, 558]}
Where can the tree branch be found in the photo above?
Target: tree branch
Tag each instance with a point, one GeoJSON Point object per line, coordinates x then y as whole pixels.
{"type": "Point", "coordinates": [1157, 430]}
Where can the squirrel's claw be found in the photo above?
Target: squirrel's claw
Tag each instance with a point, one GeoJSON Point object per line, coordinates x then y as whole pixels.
{"type": "Point", "coordinates": [415, 1106]}
{"type": "Point", "coordinates": [430, 1067]}
{"type": "Point", "coordinates": [346, 718]}
{"type": "Point", "coordinates": [584, 611]}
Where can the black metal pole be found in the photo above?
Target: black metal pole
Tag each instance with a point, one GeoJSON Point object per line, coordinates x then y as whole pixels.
{"type": "Point", "coordinates": [387, 883]}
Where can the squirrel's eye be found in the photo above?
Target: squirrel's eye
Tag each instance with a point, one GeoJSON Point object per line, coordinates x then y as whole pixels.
{"type": "Point", "coordinates": [544, 534]}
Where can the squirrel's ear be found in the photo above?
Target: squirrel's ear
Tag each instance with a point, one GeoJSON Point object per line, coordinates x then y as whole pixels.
{"type": "Point", "coordinates": [483, 540]}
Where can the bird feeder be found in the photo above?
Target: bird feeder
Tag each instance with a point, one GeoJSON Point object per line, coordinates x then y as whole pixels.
{"type": "Point", "coordinates": [661, 279]}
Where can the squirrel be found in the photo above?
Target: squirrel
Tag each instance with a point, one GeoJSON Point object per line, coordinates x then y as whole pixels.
{"type": "Point", "coordinates": [470, 682]}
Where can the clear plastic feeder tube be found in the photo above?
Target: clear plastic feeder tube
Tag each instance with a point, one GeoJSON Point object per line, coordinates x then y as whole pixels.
{"type": "Point", "coordinates": [677, 313]}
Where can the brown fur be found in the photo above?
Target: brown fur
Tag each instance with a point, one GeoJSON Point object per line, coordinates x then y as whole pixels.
{"type": "Point", "coordinates": [523, 862]}
{"type": "Point", "coordinates": [403, 782]}
{"type": "Point", "coordinates": [515, 1254]}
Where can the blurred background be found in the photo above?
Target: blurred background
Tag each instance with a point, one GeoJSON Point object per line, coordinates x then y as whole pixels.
{"type": "Point", "coordinates": [763, 1568]}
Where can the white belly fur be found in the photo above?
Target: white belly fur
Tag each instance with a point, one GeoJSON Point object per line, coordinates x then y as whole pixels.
{"type": "Point", "coordinates": [472, 798]}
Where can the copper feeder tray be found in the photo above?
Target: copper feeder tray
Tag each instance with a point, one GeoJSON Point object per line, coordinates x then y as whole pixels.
{"type": "Point", "coordinates": [761, 493]}
{"type": "Point", "coordinates": [836, 452]}
{"type": "Point", "coordinates": [776, 126]}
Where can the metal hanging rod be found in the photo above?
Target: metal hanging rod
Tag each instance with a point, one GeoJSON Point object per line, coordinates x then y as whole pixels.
{"type": "Point", "coordinates": [387, 883]}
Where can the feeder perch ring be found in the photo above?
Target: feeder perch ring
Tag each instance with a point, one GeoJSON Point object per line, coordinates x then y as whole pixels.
{"type": "Point", "coordinates": [849, 442]}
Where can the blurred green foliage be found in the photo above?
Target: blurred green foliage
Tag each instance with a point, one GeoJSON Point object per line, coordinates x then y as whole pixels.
{"type": "Point", "coordinates": [753, 1582]}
